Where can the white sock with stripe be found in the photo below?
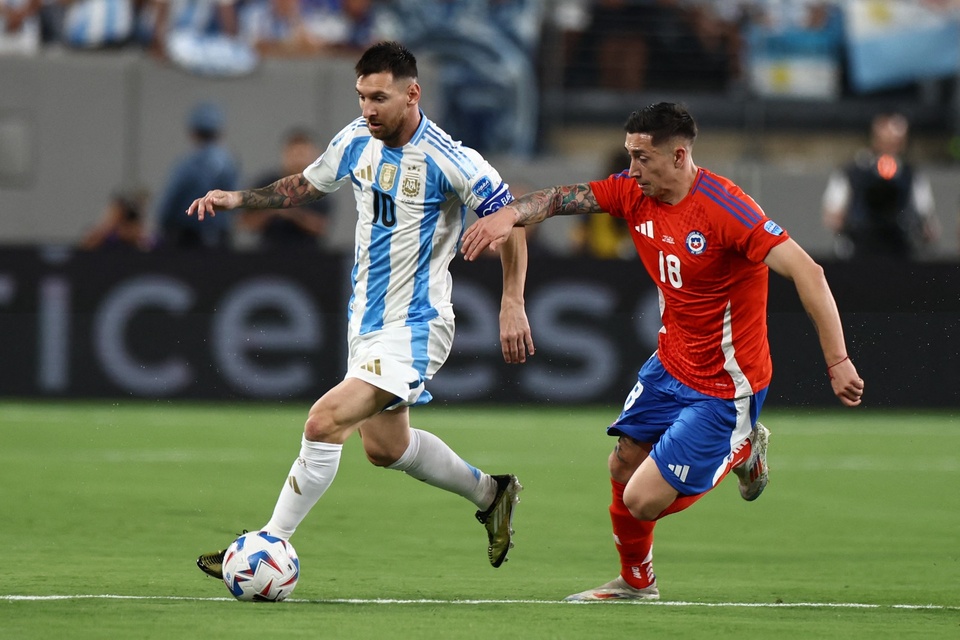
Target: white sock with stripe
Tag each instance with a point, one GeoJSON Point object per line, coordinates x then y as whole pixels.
{"type": "Point", "coordinates": [428, 458]}
{"type": "Point", "coordinates": [310, 476]}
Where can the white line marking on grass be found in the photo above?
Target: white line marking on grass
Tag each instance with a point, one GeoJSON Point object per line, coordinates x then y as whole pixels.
{"type": "Point", "coordinates": [649, 603]}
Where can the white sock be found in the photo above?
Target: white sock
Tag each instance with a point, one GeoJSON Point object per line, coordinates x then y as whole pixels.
{"type": "Point", "coordinates": [428, 458]}
{"type": "Point", "coordinates": [309, 478]}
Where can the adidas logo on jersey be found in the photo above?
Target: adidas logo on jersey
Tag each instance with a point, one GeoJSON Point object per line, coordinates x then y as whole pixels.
{"type": "Point", "coordinates": [373, 367]}
{"type": "Point", "coordinates": [645, 229]}
{"type": "Point", "coordinates": [680, 470]}
{"type": "Point", "coordinates": [366, 173]}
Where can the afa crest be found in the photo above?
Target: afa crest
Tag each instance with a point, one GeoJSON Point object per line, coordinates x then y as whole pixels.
{"type": "Point", "coordinates": [410, 186]}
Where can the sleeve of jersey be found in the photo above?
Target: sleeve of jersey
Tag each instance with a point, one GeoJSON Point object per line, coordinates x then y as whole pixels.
{"type": "Point", "coordinates": [763, 238]}
{"type": "Point", "coordinates": [609, 195]}
{"type": "Point", "coordinates": [749, 229]}
{"type": "Point", "coordinates": [328, 172]}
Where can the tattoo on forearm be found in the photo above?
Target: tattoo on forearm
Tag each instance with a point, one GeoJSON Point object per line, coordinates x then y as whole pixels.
{"type": "Point", "coordinates": [291, 191]}
{"type": "Point", "coordinates": [578, 198]}
{"type": "Point", "coordinates": [566, 200]}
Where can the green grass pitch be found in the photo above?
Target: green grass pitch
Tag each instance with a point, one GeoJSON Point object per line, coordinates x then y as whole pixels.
{"type": "Point", "coordinates": [857, 535]}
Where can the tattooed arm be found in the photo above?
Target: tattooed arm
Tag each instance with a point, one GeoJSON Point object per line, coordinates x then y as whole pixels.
{"type": "Point", "coordinates": [291, 191]}
{"type": "Point", "coordinates": [494, 229]}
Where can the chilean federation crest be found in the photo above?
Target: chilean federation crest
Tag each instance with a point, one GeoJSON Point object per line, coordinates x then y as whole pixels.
{"type": "Point", "coordinates": [696, 243]}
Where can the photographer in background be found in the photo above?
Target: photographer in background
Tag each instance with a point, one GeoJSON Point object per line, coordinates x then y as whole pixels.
{"type": "Point", "coordinates": [880, 205]}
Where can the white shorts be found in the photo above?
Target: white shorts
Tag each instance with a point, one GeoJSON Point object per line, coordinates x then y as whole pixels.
{"type": "Point", "coordinates": [400, 359]}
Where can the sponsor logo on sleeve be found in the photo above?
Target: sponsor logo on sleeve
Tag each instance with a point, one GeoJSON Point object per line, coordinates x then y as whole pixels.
{"type": "Point", "coordinates": [773, 228]}
{"type": "Point", "coordinates": [483, 188]}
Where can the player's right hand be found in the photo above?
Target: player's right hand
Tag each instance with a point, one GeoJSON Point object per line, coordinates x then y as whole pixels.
{"type": "Point", "coordinates": [846, 382]}
{"type": "Point", "coordinates": [213, 201]}
{"type": "Point", "coordinates": [490, 231]}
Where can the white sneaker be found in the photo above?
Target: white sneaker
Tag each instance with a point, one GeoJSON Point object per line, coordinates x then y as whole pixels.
{"type": "Point", "coordinates": [753, 473]}
{"type": "Point", "coordinates": [616, 589]}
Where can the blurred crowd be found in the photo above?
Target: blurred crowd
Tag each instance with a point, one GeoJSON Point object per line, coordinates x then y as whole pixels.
{"type": "Point", "coordinates": [877, 206]}
{"type": "Point", "coordinates": [132, 220]}
{"type": "Point", "coordinates": [177, 29]}
{"type": "Point", "coordinates": [494, 59]}
{"type": "Point", "coordinates": [617, 44]}
{"type": "Point", "coordinates": [511, 48]}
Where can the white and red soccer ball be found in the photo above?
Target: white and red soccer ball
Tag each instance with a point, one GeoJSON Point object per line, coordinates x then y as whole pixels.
{"type": "Point", "coordinates": [261, 567]}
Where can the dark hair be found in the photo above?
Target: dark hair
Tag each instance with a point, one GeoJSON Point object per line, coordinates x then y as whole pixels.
{"type": "Point", "coordinates": [387, 57]}
{"type": "Point", "coordinates": [131, 202]}
{"type": "Point", "coordinates": [299, 135]}
{"type": "Point", "coordinates": [206, 135]}
{"type": "Point", "coordinates": [663, 121]}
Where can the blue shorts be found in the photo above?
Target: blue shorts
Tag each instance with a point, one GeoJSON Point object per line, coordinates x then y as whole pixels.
{"type": "Point", "coordinates": [693, 434]}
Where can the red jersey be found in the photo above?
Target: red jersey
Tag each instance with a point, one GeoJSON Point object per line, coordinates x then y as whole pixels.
{"type": "Point", "coordinates": [705, 255]}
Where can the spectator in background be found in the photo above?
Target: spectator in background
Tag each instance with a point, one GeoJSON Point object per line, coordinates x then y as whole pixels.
{"type": "Point", "coordinates": [158, 18]}
{"type": "Point", "coordinates": [879, 205]}
{"type": "Point", "coordinates": [629, 45]}
{"type": "Point", "coordinates": [307, 27]}
{"type": "Point", "coordinates": [201, 36]}
{"type": "Point", "coordinates": [209, 166]}
{"type": "Point", "coordinates": [618, 40]}
{"type": "Point", "coordinates": [97, 24]}
{"type": "Point", "coordinates": [304, 226]}
{"type": "Point", "coordinates": [718, 26]}
{"type": "Point", "coordinates": [356, 25]}
{"type": "Point", "coordinates": [19, 27]}
{"type": "Point", "coordinates": [122, 226]}
{"type": "Point", "coordinates": [485, 52]}
{"type": "Point", "coordinates": [795, 48]}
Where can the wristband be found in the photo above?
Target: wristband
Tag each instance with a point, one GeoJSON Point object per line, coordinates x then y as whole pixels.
{"type": "Point", "coordinates": [845, 358]}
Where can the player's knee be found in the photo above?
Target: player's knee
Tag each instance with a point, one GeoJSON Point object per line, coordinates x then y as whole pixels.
{"type": "Point", "coordinates": [377, 459]}
{"type": "Point", "coordinates": [641, 510]}
{"type": "Point", "coordinates": [619, 471]}
{"type": "Point", "coordinates": [639, 507]}
{"type": "Point", "coordinates": [381, 456]}
{"type": "Point", "coordinates": [625, 459]}
{"type": "Point", "coordinates": [321, 427]}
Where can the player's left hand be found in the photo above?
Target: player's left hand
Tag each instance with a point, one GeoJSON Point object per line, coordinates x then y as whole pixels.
{"type": "Point", "coordinates": [846, 382]}
{"type": "Point", "coordinates": [213, 201]}
{"type": "Point", "coordinates": [516, 339]}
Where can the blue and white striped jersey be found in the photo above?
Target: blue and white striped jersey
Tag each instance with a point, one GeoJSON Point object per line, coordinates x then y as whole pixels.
{"type": "Point", "coordinates": [411, 205]}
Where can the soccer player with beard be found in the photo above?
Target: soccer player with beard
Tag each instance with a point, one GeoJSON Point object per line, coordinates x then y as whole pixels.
{"type": "Point", "coordinates": [413, 185]}
{"type": "Point", "coordinates": [693, 415]}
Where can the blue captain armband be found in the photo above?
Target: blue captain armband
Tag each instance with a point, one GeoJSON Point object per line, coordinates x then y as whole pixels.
{"type": "Point", "coordinates": [500, 197]}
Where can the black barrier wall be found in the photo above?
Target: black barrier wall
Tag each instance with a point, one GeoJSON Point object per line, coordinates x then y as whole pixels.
{"type": "Point", "coordinates": [272, 326]}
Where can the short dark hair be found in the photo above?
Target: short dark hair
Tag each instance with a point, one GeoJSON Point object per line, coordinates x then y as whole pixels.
{"type": "Point", "coordinates": [387, 57]}
{"type": "Point", "coordinates": [663, 121]}
{"type": "Point", "coordinates": [299, 135]}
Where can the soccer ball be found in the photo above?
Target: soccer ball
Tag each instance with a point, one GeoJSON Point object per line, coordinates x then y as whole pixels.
{"type": "Point", "coordinates": [262, 567]}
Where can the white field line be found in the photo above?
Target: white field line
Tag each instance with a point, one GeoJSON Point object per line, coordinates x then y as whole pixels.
{"type": "Point", "coordinates": [649, 603]}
